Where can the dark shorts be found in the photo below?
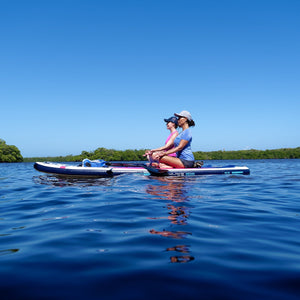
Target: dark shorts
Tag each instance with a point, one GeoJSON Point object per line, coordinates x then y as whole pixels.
{"type": "Point", "coordinates": [187, 163]}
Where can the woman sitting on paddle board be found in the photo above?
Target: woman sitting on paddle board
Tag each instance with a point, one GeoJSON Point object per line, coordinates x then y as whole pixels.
{"type": "Point", "coordinates": [172, 124]}
{"type": "Point", "coordinates": [182, 145]}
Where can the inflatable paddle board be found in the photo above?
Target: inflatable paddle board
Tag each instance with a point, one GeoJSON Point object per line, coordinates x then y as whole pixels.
{"type": "Point", "coordinates": [109, 171]}
{"type": "Point", "coordinates": [199, 171]}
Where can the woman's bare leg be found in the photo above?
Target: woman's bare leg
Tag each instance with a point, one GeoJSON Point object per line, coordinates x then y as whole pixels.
{"type": "Point", "coordinates": [172, 161]}
{"type": "Point", "coordinates": [164, 166]}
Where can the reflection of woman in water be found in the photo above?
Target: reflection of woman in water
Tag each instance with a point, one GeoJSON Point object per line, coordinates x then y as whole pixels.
{"type": "Point", "coordinates": [172, 234]}
{"type": "Point", "coordinates": [174, 190]}
{"type": "Point", "coordinates": [169, 189]}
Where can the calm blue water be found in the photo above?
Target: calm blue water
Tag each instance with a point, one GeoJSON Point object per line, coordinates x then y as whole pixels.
{"type": "Point", "coordinates": [141, 237]}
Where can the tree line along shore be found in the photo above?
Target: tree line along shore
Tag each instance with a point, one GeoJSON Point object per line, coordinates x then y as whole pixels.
{"type": "Point", "coordinates": [9, 153]}
{"type": "Point", "coordinates": [137, 155]}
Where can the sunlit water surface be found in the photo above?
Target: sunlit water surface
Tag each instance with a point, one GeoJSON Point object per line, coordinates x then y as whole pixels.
{"type": "Point", "coordinates": [141, 237]}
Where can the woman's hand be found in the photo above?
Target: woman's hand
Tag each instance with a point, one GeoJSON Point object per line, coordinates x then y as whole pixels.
{"type": "Point", "coordinates": [157, 155]}
{"type": "Point", "coordinates": [148, 152]}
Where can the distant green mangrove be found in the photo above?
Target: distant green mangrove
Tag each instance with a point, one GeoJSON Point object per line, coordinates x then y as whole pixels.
{"type": "Point", "coordinates": [9, 153]}
{"type": "Point", "coordinates": [284, 153]}
{"type": "Point", "coordinates": [137, 155]}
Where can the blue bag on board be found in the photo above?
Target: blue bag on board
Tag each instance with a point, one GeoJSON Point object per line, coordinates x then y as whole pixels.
{"type": "Point", "coordinates": [93, 163]}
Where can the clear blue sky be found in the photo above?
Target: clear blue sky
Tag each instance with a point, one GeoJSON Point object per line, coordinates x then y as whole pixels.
{"type": "Point", "coordinates": [78, 75]}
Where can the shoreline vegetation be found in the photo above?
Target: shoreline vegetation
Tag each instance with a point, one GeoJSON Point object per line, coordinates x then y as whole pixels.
{"type": "Point", "coordinates": [10, 153]}
{"type": "Point", "coordinates": [137, 155]}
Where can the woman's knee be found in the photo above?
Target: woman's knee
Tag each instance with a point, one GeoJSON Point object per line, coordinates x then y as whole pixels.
{"type": "Point", "coordinates": [172, 161]}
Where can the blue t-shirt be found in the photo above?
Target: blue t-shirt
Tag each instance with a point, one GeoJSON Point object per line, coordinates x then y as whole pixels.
{"type": "Point", "coordinates": [186, 153]}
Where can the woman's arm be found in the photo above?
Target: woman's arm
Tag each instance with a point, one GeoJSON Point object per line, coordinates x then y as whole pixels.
{"type": "Point", "coordinates": [181, 145]}
{"type": "Point", "coordinates": [168, 145]}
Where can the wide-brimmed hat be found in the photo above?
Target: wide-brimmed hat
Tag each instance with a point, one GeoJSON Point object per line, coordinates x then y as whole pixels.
{"type": "Point", "coordinates": [172, 119]}
{"type": "Point", "coordinates": [184, 114]}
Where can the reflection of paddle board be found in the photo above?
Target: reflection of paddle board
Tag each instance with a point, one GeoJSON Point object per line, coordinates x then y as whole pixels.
{"type": "Point", "coordinates": [68, 170]}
